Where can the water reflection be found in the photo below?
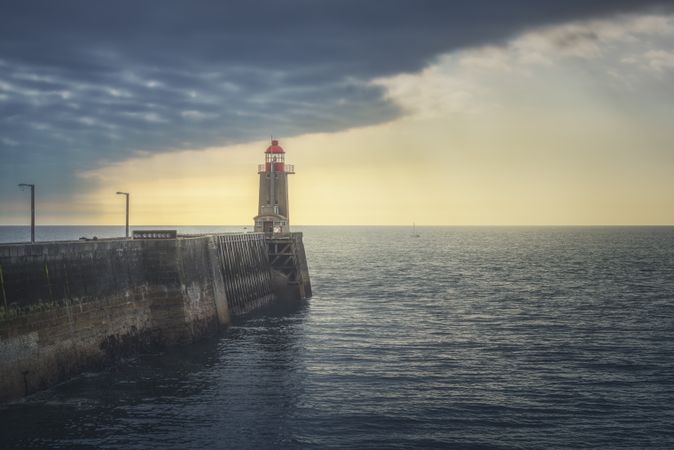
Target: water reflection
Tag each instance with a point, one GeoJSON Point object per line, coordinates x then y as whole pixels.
{"type": "Point", "coordinates": [232, 391]}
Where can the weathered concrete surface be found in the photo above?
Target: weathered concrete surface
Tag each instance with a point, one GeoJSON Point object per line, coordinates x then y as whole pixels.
{"type": "Point", "coordinates": [302, 266]}
{"type": "Point", "coordinates": [70, 306]}
{"type": "Point", "coordinates": [75, 305]}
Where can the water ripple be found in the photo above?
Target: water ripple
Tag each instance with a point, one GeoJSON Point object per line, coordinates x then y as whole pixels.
{"type": "Point", "coordinates": [507, 338]}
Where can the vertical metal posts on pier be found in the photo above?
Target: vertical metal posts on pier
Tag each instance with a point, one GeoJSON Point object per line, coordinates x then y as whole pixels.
{"type": "Point", "coordinates": [127, 211]}
{"type": "Point", "coordinates": [32, 209]}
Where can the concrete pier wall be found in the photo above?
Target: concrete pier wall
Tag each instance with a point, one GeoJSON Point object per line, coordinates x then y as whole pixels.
{"type": "Point", "coordinates": [70, 306]}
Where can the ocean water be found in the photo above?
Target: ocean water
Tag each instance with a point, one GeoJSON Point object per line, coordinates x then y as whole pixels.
{"type": "Point", "coordinates": [476, 337]}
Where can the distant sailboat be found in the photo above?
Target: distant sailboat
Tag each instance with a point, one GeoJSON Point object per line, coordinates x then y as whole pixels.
{"type": "Point", "coordinates": [414, 230]}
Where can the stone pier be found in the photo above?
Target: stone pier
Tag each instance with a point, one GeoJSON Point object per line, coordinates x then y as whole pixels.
{"type": "Point", "coordinates": [71, 306]}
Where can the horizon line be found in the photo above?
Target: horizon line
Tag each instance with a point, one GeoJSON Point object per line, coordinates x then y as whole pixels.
{"type": "Point", "coordinates": [347, 225]}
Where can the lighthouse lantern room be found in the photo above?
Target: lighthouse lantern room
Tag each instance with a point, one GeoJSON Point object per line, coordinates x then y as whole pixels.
{"type": "Point", "coordinates": [273, 215]}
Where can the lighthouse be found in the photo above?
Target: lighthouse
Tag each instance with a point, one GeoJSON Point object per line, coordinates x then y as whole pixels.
{"type": "Point", "coordinates": [273, 215]}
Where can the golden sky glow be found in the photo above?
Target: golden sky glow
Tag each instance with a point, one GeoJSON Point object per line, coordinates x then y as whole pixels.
{"type": "Point", "coordinates": [564, 125]}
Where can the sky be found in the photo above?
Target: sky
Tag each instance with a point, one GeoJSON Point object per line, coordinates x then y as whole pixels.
{"type": "Point", "coordinates": [393, 112]}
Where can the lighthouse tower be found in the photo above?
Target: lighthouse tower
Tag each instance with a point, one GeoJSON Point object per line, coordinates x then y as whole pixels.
{"type": "Point", "coordinates": [273, 215]}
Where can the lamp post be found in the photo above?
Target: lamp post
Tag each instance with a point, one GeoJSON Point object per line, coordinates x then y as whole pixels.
{"type": "Point", "coordinates": [127, 211]}
{"type": "Point", "coordinates": [32, 209]}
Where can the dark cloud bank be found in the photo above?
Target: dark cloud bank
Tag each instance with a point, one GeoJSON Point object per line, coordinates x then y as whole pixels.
{"type": "Point", "coordinates": [84, 82]}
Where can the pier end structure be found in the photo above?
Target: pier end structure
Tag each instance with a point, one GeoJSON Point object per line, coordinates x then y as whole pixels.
{"type": "Point", "coordinates": [286, 250]}
{"type": "Point", "coordinates": [71, 306]}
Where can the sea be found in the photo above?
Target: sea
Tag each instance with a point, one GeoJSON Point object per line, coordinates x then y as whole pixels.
{"type": "Point", "coordinates": [443, 337]}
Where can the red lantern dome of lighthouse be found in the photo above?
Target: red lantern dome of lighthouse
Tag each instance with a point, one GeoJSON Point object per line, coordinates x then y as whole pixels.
{"type": "Point", "coordinates": [274, 147]}
{"type": "Point", "coordinates": [274, 158]}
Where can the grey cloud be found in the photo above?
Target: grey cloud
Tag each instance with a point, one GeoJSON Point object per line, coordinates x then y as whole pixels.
{"type": "Point", "coordinates": [84, 82]}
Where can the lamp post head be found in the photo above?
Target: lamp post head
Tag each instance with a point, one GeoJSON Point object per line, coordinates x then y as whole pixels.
{"type": "Point", "coordinates": [23, 185]}
{"type": "Point", "coordinates": [122, 193]}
